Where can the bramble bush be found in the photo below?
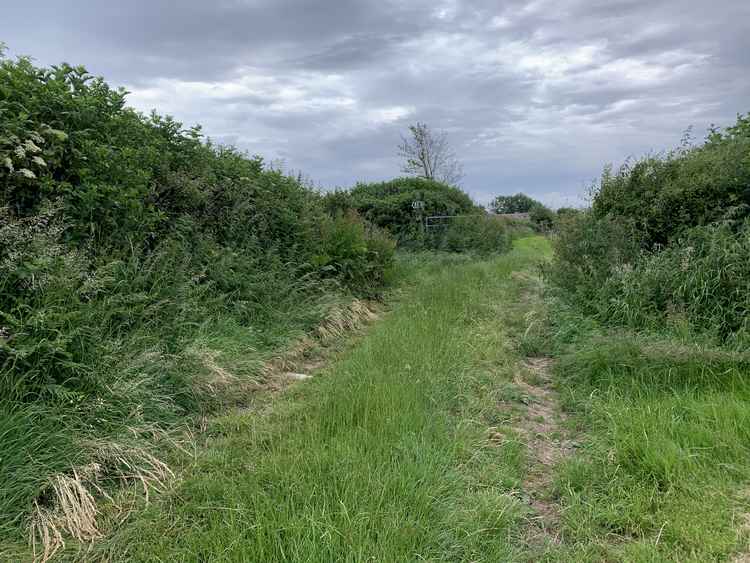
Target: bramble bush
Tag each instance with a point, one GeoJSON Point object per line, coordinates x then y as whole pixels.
{"type": "Point", "coordinates": [665, 240]}
{"type": "Point", "coordinates": [388, 205]}
{"type": "Point", "coordinates": [124, 240]}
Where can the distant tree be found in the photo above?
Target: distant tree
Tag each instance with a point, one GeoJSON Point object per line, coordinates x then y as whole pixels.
{"type": "Point", "coordinates": [389, 204]}
{"type": "Point", "coordinates": [567, 211]}
{"type": "Point", "coordinates": [428, 155]}
{"type": "Point", "coordinates": [543, 218]}
{"type": "Point", "coordinates": [518, 203]}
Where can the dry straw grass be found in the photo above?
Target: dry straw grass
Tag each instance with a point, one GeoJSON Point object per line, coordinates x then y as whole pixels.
{"type": "Point", "coordinates": [338, 322]}
{"type": "Point", "coordinates": [68, 506]}
{"type": "Point", "coordinates": [341, 320]}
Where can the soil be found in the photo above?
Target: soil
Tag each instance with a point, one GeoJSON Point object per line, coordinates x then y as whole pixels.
{"type": "Point", "coordinates": [541, 428]}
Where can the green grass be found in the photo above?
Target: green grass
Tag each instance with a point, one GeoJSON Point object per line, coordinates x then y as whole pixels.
{"type": "Point", "coordinates": [385, 455]}
{"type": "Point", "coordinates": [663, 466]}
{"type": "Point", "coordinates": [381, 457]}
{"type": "Point", "coordinates": [151, 379]}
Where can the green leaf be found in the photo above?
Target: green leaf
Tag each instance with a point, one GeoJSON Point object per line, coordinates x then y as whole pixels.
{"type": "Point", "coordinates": [31, 147]}
{"type": "Point", "coordinates": [59, 135]}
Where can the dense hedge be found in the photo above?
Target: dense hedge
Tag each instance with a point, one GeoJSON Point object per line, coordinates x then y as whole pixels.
{"type": "Point", "coordinates": [666, 240]}
{"type": "Point", "coordinates": [88, 184]}
{"type": "Point", "coordinates": [130, 248]}
{"type": "Point", "coordinates": [389, 204]}
{"type": "Point", "coordinates": [465, 227]}
{"type": "Point", "coordinates": [664, 195]}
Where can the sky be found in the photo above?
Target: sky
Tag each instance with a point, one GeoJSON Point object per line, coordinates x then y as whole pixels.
{"type": "Point", "coordinates": [535, 96]}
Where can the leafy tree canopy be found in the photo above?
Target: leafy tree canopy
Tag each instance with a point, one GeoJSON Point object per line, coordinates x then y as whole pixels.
{"type": "Point", "coordinates": [518, 203]}
{"type": "Point", "coordinates": [390, 204]}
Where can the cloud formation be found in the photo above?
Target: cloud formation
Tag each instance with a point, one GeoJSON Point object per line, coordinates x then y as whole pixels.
{"type": "Point", "coordinates": [536, 95]}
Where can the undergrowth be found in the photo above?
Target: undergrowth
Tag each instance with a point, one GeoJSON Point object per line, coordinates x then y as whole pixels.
{"type": "Point", "coordinates": [662, 421]}
{"type": "Point", "coordinates": [383, 455]}
{"type": "Point", "coordinates": [146, 276]}
{"type": "Point", "coordinates": [648, 295]}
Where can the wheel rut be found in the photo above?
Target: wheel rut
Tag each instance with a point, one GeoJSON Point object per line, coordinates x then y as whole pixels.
{"type": "Point", "coordinates": [542, 431]}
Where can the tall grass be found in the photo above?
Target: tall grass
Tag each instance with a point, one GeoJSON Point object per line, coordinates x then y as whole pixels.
{"type": "Point", "coordinates": [383, 456]}
{"type": "Point", "coordinates": [701, 281]}
{"type": "Point", "coordinates": [664, 448]}
{"type": "Point", "coordinates": [649, 292]}
{"type": "Point", "coordinates": [665, 241]}
{"type": "Point", "coordinates": [145, 276]}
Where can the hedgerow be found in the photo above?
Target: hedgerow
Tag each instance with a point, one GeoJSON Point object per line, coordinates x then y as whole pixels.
{"type": "Point", "coordinates": [665, 241]}
{"type": "Point", "coordinates": [130, 249]}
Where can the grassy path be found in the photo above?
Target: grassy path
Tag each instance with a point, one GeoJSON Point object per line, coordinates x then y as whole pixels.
{"type": "Point", "coordinates": [389, 454]}
{"type": "Point", "coordinates": [468, 426]}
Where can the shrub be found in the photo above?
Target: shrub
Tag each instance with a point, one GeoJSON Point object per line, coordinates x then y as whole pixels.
{"type": "Point", "coordinates": [388, 205]}
{"type": "Point", "coordinates": [566, 211]}
{"type": "Point", "coordinates": [482, 234]}
{"type": "Point", "coordinates": [666, 239]}
{"type": "Point", "coordinates": [691, 186]}
{"type": "Point", "coordinates": [337, 202]}
{"type": "Point", "coordinates": [124, 240]}
{"type": "Point", "coordinates": [587, 252]}
{"type": "Point", "coordinates": [358, 254]}
{"type": "Point", "coordinates": [542, 218]}
{"type": "Point", "coordinates": [702, 279]}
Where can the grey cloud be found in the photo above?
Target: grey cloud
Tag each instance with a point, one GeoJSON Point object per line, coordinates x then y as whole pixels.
{"type": "Point", "coordinates": [536, 94]}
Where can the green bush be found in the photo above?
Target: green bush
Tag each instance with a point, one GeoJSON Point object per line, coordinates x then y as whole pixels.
{"type": "Point", "coordinates": [665, 195]}
{"type": "Point", "coordinates": [567, 211]}
{"type": "Point", "coordinates": [702, 279]}
{"type": "Point", "coordinates": [665, 241]}
{"type": "Point", "coordinates": [337, 202]}
{"type": "Point", "coordinates": [462, 227]}
{"type": "Point", "coordinates": [129, 247]}
{"type": "Point", "coordinates": [359, 255]}
{"type": "Point", "coordinates": [587, 252]}
{"type": "Point", "coordinates": [542, 218]}
{"type": "Point", "coordinates": [483, 234]}
{"type": "Point", "coordinates": [388, 205]}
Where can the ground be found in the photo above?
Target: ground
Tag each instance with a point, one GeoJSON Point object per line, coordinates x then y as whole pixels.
{"type": "Point", "coordinates": [447, 430]}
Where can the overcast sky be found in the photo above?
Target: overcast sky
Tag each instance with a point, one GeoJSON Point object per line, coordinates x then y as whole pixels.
{"type": "Point", "coordinates": [536, 96]}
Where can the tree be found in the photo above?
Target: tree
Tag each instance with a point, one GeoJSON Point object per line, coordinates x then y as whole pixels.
{"type": "Point", "coordinates": [567, 211]}
{"type": "Point", "coordinates": [519, 203]}
{"type": "Point", "coordinates": [389, 204]}
{"type": "Point", "coordinates": [542, 218]}
{"type": "Point", "coordinates": [428, 155]}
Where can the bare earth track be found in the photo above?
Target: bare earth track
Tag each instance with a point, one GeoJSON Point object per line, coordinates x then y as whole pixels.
{"type": "Point", "coordinates": [541, 430]}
